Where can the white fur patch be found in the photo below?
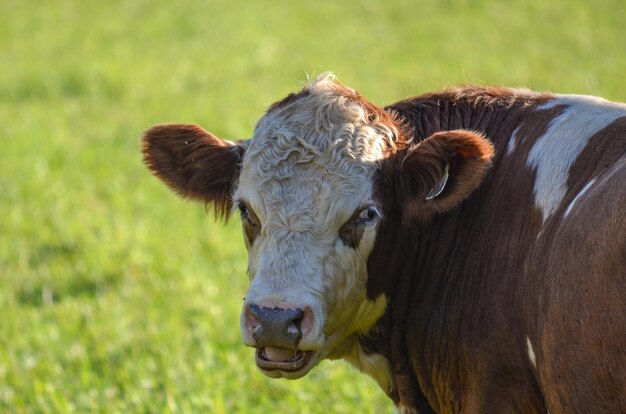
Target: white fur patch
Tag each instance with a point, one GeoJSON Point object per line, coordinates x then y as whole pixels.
{"type": "Point", "coordinates": [403, 409]}
{"type": "Point", "coordinates": [512, 142]}
{"type": "Point", "coordinates": [531, 352]}
{"type": "Point", "coordinates": [374, 365]}
{"type": "Point", "coordinates": [580, 194]}
{"type": "Point", "coordinates": [568, 134]}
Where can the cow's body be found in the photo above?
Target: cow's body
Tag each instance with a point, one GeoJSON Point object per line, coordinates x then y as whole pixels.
{"type": "Point", "coordinates": [501, 291]}
{"type": "Point", "coordinates": [515, 300]}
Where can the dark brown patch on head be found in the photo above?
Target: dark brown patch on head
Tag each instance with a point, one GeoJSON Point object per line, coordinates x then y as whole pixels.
{"type": "Point", "coordinates": [194, 163]}
{"type": "Point", "coordinates": [250, 222]}
{"type": "Point", "coordinates": [289, 99]}
{"type": "Point", "coordinates": [352, 231]}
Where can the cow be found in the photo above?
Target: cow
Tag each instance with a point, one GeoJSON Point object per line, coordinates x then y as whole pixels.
{"type": "Point", "coordinates": [465, 248]}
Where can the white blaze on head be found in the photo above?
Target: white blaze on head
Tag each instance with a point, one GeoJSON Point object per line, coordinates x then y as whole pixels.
{"type": "Point", "coordinates": [308, 169]}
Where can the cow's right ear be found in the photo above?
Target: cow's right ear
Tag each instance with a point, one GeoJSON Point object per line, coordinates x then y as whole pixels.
{"type": "Point", "coordinates": [194, 163]}
{"type": "Point", "coordinates": [440, 172]}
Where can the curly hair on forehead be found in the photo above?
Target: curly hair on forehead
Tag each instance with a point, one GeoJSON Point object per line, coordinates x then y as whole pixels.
{"type": "Point", "coordinates": [324, 106]}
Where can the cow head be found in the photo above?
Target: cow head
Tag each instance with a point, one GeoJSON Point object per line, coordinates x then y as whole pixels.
{"type": "Point", "coordinates": [307, 188]}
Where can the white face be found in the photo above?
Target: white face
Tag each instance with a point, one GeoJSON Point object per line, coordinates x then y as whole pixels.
{"type": "Point", "coordinates": [305, 194]}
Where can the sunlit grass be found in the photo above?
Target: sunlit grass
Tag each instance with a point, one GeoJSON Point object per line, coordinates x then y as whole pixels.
{"type": "Point", "coordinates": [115, 296]}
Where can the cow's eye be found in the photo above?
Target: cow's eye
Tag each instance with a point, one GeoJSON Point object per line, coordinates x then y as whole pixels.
{"type": "Point", "coordinates": [367, 216]}
{"type": "Point", "coordinates": [247, 214]}
{"type": "Point", "coordinates": [352, 231]}
{"type": "Point", "coordinates": [243, 209]}
{"type": "Point", "coordinates": [250, 222]}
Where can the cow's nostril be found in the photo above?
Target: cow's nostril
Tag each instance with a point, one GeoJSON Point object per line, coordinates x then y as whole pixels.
{"type": "Point", "coordinates": [294, 327]}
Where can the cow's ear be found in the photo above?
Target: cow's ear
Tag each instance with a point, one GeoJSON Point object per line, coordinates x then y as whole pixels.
{"type": "Point", "coordinates": [439, 172]}
{"type": "Point", "coordinates": [194, 163]}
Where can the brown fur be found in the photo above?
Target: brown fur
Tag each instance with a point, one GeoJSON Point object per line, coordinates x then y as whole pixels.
{"type": "Point", "coordinates": [288, 99]}
{"type": "Point", "coordinates": [351, 233]}
{"type": "Point", "coordinates": [194, 163]}
{"type": "Point", "coordinates": [467, 287]}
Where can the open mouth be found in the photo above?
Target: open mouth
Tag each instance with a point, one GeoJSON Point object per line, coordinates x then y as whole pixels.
{"type": "Point", "coordinates": [283, 359]}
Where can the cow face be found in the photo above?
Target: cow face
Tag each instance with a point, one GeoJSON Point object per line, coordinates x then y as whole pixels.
{"type": "Point", "coordinates": [306, 188]}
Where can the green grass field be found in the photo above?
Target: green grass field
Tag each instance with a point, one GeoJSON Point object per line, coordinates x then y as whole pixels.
{"type": "Point", "coordinates": [116, 296]}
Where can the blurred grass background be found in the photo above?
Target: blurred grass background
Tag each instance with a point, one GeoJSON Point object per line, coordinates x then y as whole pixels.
{"type": "Point", "coordinates": [115, 296]}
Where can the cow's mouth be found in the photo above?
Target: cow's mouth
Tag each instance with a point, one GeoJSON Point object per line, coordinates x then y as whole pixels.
{"type": "Point", "coordinates": [283, 359]}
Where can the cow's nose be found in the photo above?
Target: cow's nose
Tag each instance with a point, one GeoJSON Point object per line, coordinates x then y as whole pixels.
{"type": "Point", "coordinates": [275, 327]}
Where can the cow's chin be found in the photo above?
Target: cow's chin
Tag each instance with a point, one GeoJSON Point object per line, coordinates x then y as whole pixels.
{"type": "Point", "coordinates": [285, 363]}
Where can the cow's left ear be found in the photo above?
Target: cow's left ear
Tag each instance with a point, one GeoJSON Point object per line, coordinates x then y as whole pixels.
{"type": "Point", "coordinates": [194, 163]}
{"type": "Point", "coordinates": [441, 171]}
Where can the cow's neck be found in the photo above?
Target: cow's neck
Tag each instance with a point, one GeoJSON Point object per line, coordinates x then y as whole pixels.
{"type": "Point", "coordinates": [416, 334]}
{"type": "Point", "coordinates": [399, 262]}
